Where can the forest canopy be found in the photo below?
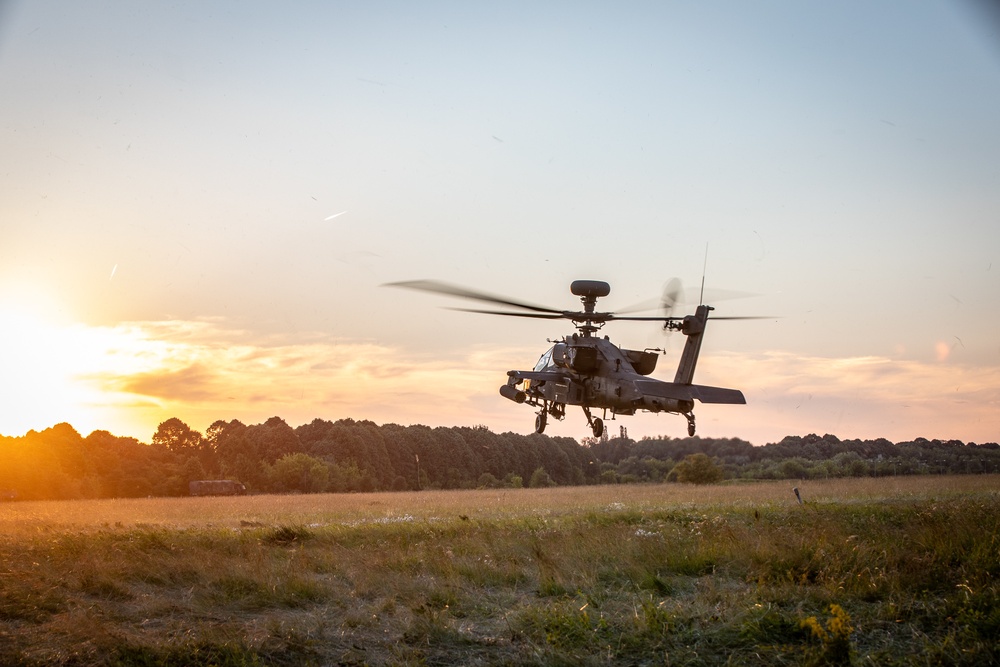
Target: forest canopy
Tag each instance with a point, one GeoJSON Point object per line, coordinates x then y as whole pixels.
{"type": "Point", "coordinates": [352, 456]}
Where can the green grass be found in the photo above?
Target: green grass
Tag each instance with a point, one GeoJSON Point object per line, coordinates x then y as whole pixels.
{"type": "Point", "coordinates": [586, 576]}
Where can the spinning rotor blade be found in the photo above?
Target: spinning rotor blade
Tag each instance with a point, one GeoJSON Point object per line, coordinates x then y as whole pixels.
{"type": "Point", "coordinates": [611, 317]}
{"type": "Point", "coordinates": [539, 316]}
{"type": "Point", "coordinates": [672, 294]}
{"type": "Point", "coordinates": [675, 296]}
{"type": "Point", "coordinates": [463, 293]}
{"type": "Point", "coordinates": [570, 315]}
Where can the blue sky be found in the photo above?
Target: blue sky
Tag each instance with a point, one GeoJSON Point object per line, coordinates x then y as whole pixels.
{"type": "Point", "coordinates": [170, 173]}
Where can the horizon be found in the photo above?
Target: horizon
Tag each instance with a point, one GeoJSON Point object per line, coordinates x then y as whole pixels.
{"type": "Point", "coordinates": [582, 441]}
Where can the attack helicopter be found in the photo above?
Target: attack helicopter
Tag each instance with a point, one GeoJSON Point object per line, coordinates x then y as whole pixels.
{"type": "Point", "coordinates": [590, 371]}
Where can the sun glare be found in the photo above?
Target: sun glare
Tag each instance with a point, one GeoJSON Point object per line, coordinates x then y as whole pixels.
{"type": "Point", "coordinates": [44, 369]}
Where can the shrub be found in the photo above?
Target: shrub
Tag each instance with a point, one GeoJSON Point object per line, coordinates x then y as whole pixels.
{"type": "Point", "coordinates": [488, 481]}
{"type": "Point", "coordinates": [540, 479]}
{"type": "Point", "coordinates": [299, 472]}
{"type": "Point", "coordinates": [697, 469]}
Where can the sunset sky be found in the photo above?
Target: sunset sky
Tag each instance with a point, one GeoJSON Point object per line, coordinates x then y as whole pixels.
{"type": "Point", "coordinates": [201, 201]}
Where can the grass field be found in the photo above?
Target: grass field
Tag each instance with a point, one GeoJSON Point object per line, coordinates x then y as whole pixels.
{"type": "Point", "coordinates": [885, 571]}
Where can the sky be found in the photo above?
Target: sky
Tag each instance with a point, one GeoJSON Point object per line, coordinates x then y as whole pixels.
{"type": "Point", "coordinates": [201, 203]}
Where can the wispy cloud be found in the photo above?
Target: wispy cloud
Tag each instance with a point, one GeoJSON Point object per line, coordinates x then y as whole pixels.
{"type": "Point", "coordinates": [869, 377]}
{"type": "Point", "coordinates": [206, 370]}
{"type": "Point", "coordinates": [865, 397]}
{"type": "Point", "coordinates": [215, 372]}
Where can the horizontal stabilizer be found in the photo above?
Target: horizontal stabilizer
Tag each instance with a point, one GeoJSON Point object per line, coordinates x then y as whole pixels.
{"type": "Point", "coordinates": [687, 392]}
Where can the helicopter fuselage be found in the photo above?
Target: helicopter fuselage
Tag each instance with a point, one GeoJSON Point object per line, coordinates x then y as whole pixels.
{"type": "Point", "coordinates": [594, 373]}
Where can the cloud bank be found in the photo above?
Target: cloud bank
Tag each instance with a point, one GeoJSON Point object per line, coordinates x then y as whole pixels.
{"type": "Point", "coordinates": [204, 370]}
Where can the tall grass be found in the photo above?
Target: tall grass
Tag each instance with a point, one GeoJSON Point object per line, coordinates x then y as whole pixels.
{"type": "Point", "coordinates": [894, 573]}
{"type": "Point", "coordinates": [235, 512]}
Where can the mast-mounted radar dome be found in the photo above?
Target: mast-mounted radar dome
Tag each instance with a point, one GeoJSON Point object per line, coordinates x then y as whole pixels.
{"type": "Point", "coordinates": [590, 288]}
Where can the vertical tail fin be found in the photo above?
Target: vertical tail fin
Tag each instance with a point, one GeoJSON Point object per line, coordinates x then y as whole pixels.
{"type": "Point", "coordinates": [694, 329]}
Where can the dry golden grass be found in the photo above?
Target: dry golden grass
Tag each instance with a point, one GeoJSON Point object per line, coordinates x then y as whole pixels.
{"type": "Point", "coordinates": [888, 571]}
{"type": "Point", "coordinates": [323, 509]}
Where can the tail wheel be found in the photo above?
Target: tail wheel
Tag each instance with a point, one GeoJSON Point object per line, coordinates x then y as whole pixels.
{"type": "Point", "coordinates": [598, 427]}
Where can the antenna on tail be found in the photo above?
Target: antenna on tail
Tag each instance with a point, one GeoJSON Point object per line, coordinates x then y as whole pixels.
{"type": "Point", "coordinates": [704, 268]}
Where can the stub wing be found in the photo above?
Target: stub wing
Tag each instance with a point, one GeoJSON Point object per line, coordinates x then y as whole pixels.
{"type": "Point", "coordinates": [688, 392]}
{"type": "Point", "coordinates": [539, 376]}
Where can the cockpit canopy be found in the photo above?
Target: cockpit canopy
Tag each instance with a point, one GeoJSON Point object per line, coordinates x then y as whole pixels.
{"type": "Point", "coordinates": [545, 361]}
{"type": "Point", "coordinates": [580, 358]}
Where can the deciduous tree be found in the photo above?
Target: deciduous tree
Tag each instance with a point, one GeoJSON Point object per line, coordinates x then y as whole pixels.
{"type": "Point", "coordinates": [177, 436]}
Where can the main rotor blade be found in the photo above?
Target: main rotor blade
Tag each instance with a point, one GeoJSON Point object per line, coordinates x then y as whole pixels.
{"type": "Point", "coordinates": [464, 293]}
{"type": "Point", "coordinates": [540, 316]}
{"type": "Point", "coordinates": [681, 319]}
{"type": "Point", "coordinates": [651, 318]}
{"type": "Point", "coordinates": [642, 306]}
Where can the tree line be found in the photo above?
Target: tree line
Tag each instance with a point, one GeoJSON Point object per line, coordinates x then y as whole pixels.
{"type": "Point", "coordinates": [351, 456]}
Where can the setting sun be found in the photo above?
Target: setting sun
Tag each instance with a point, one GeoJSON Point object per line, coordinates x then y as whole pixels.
{"type": "Point", "coordinates": [91, 377]}
{"type": "Point", "coordinates": [44, 367]}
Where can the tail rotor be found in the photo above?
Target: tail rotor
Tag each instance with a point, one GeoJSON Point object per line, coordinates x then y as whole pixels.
{"type": "Point", "coordinates": [673, 293]}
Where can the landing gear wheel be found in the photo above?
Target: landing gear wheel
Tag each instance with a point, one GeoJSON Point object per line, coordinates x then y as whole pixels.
{"type": "Point", "coordinates": [690, 418]}
{"type": "Point", "coordinates": [540, 421]}
{"type": "Point", "coordinates": [598, 428]}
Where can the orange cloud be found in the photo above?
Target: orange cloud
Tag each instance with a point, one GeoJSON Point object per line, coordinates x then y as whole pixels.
{"type": "Point", "coordinates": [865, 397]}
{"type": "Point", "coordinates": [202, 371]}
{"type": "Point", "coordinates": [141, 374]}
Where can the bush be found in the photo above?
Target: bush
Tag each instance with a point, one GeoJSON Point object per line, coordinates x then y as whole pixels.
{"type": "Point", "coordinates": [540, 479]}
{"type": "Point", "coordinates": [488, 481]}
{"type": "Point", "coordinates": [299, 472]}
{"type": "Point", "coordinates": [513, 481]}
{"type": "Point", "coordinates": [697, 469]}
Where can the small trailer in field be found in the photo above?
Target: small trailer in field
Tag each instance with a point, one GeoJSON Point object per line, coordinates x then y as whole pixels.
{"type": "Point", "coordinates": [216, 487]}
